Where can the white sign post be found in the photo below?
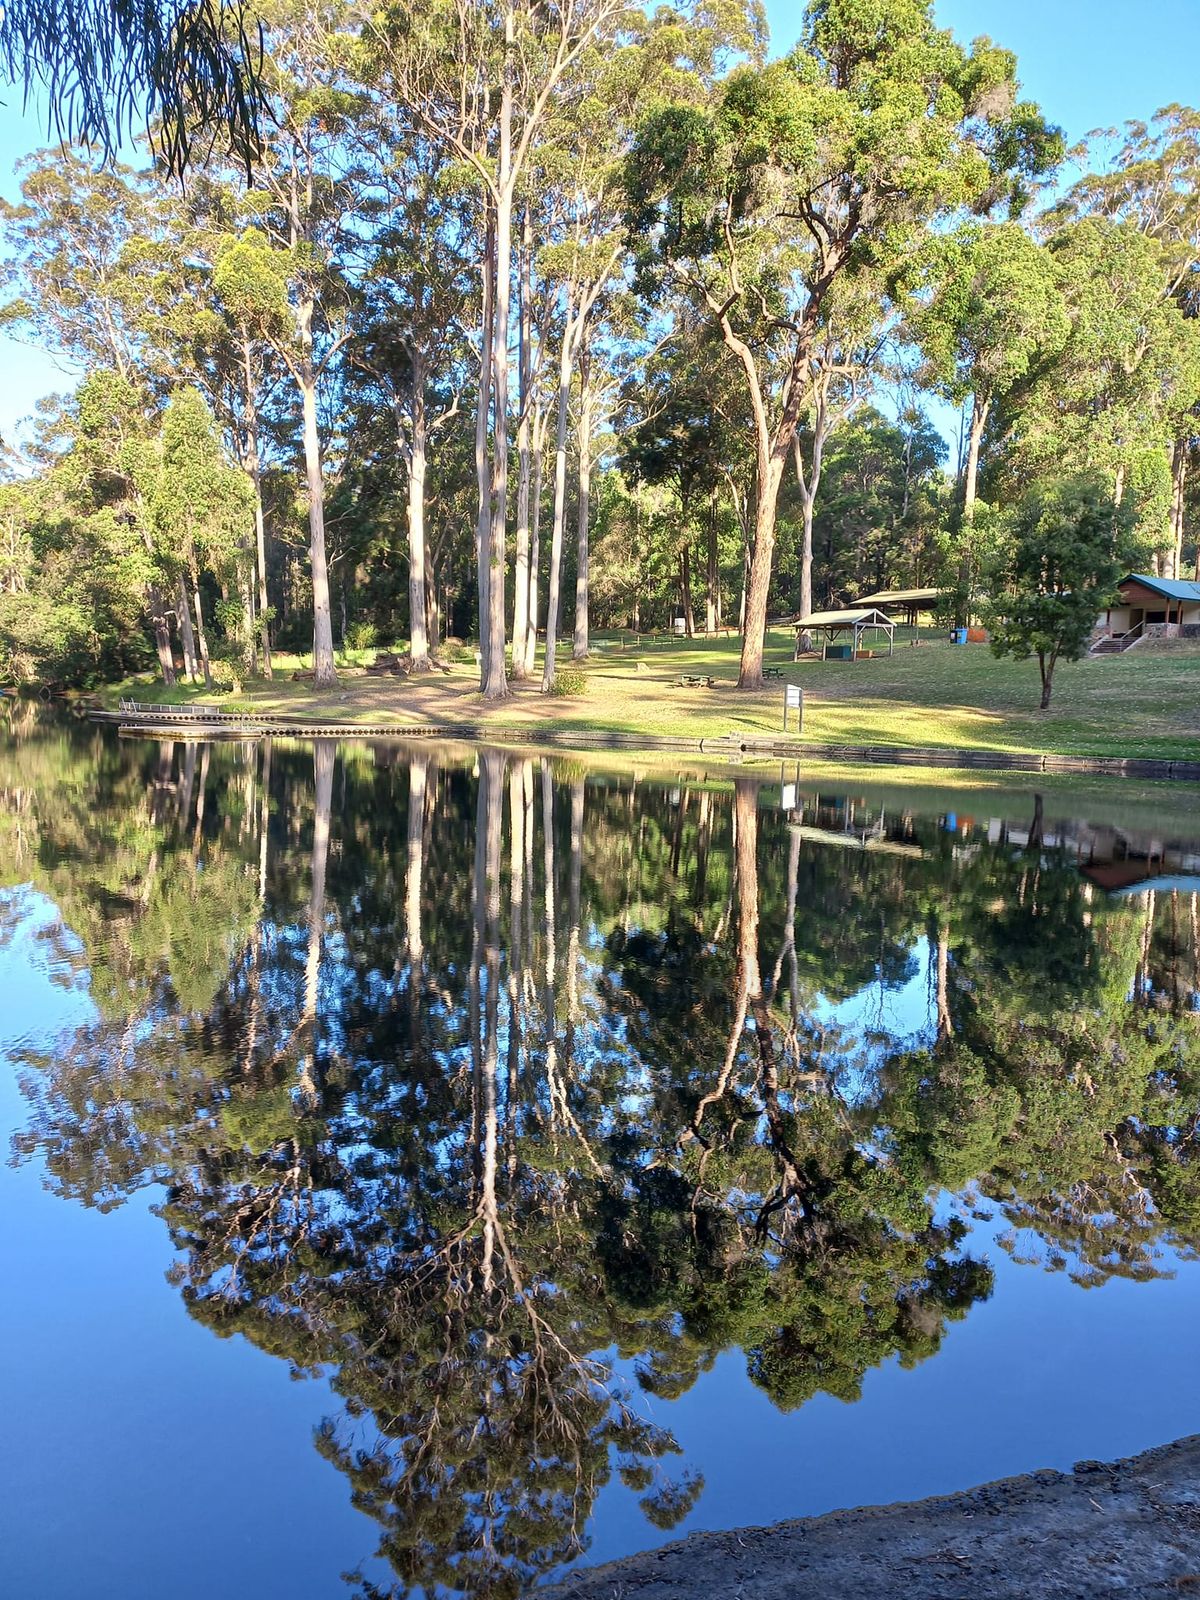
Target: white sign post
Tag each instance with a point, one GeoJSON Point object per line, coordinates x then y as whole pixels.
{"type": "Point", "coordinates": [793, 700]}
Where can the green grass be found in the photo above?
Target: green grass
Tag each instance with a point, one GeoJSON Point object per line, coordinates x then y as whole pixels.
{"type": "Point", "coordinates": [1144, 703]}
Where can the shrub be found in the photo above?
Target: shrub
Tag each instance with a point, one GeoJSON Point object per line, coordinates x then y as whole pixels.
{"type": "Point", "coordinates": [570, 681]}
{"type": "Point", "coordinates": [225, 675]}
{"type": "Point", "coordinates": [362, 635]}
{"type": "Point", "coordinates": [454, 650]}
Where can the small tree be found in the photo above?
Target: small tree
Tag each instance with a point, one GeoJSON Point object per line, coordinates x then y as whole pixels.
{"type": "Point", "coordinates": [1055, 573]}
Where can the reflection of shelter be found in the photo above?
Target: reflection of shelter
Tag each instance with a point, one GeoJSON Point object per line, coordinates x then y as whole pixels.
{"type": "Point", "coordinates": [902, 603]}
{"type": "Point", "coordinates": [842, 632]}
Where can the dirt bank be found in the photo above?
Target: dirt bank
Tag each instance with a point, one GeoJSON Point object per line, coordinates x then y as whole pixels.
{"type": "Point", "coordinates": [1129, 1528]}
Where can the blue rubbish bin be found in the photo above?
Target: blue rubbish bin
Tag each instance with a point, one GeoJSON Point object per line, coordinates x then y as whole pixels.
{"type": "Point", "coordinates": [959, 635]}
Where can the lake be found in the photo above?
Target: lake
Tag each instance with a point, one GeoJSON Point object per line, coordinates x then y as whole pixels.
{"type": "Point", "coordinates": [429, 1168]}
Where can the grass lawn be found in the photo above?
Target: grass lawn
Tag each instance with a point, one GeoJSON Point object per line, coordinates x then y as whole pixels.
{"type": "Point", "coordinates": [1143, 703]}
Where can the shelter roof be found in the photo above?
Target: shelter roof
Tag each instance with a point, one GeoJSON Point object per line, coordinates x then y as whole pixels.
{"type": "Point", "coordinates": [1169, 588]}
{"type": "Point", "coordinates": [845, 619]}
{"type": "Point", "coordinates": [899, 597]}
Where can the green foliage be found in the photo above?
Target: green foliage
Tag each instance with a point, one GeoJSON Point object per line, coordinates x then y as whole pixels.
{"type": "Point", "coordinates": [362, 635]}
{"type": "Point", "coordinates": [570, 681]}
{"type": "Point", "coordinates": [1055, 573]}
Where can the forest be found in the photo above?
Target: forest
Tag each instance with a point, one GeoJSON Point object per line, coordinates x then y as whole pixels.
{"type": "Point", "coordinates": [514, 322]}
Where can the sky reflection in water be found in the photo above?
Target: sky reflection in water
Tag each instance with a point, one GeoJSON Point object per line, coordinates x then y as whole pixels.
{"type": "Point", "coordinates": [583, 1218]}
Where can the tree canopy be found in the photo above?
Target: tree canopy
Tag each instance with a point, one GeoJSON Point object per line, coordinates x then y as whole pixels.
{"type": "Point", "coordinates": [590, 317]}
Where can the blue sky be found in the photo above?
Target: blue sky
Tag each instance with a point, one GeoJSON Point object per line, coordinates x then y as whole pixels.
{"type": "Point", "coordinates": [1090, 63]}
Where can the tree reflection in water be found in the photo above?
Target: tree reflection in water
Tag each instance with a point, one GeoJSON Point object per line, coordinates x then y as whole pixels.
{"type": "Point", "coordinates": [461, 1086]}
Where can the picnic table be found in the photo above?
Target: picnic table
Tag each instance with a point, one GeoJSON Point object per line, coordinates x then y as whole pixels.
{"type": "Point", "coordinates": [695, 680]}
{"type": "Point", "coordinates": [772, 672]}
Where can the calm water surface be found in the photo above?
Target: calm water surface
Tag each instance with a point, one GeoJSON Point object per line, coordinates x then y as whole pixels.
{"type": "Point", "coordinates": [426, 1173]}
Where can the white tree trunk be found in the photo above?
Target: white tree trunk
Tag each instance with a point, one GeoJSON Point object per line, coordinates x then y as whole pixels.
{"type": "Point", "coordinates": [521, 586]}
{"type": "Point", "coordinates": [583, 566]}
{"type": "Point", "coordinates": [323, 670]}
{"type": "Point", "coordinates": [560, 498]}
{"type": "Point", "coordinates": [418, 638]}
{"type": "Point", "coordinates": [535, 543]}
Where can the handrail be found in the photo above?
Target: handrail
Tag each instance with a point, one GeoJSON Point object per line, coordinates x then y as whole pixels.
{"type": "Point", "coordinates": [142, 708]}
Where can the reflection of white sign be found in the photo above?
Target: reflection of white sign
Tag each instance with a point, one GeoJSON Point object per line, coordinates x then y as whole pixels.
{"type": "Point", "coordinates": [787, 799]}
{"type": "Point", "coordinates": [795, 697]}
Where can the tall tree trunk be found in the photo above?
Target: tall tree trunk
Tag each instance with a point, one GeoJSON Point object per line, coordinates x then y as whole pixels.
{"type": "Point", "coordinates": [249, 642]}
{"type": "Point", "coordinates": [183, 809]}
{"type": "Point", "coordinates": [1046, 668]}
{"type": "Point", "coordinates": [712, 577]}
{"type": "Point", "coordinates": [980, 409]}
{"type": "Point", "coordinates": [574, 899]}
{"type": "Point", "coordinates": [746, 878]}
{"type": "Point", "coordinates": [685, 591]}
{"type": "Point", "coordinates": [433, 616]}
{"type": "Point", "coordinates": [418, 638]}
{"type": "Point", "coordinates": [323, 669]}
{"type": "Point", "coordinates": [1179, 467]}
{"type": "Point", "coordinates": [810, 482]}
{"type": "Point", "coordinates": [583, 566]}
{"type": "Point", "coordinates": [495, 679]}
{"type": "Point", "coordinates": [418, 771]}
{"type": "Point", "coordinates": [554, 596]}
{"type": "Point", "coordinates": [535, 543]}
{"type": "Point", "coordinates": [636, 612]}
{"type": "Point", "coordinates": [945, 1022]}
{"type": "Point", "coordinates": [489, 826]}
{"type": "Point", "coordinates": [200, 634]}
{"type": "Point", "coordinates": [750, 675]}
{"type": "Point", "coordinates": [521, 560]}
{"type": "Point", "coordinates": [162, 634]}
{"type": "Point", "coordinates": [517, 855]}
{"type": "Point", "coordinates": [483, 464]}
{"type": "Point", "coordinates": [254, 469]}
{"type": "Point", "coordinates": [323, 763]}
{"type": "Point", "coordinates": [187, 635]}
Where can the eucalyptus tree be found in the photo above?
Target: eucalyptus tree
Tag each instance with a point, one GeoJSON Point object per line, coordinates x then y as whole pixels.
{"type": "Point", "coordinates": [814, 169]}
{"type": "Point", "coordinates": [418, 301]}
{"type": "Point", "coordinates": [486, 81]}
{"type": "Point", "coordinates": [293, 288]}
{"type": "Point", "coordinates": [988, 308]}
{"type": "Point", "coordinates": [1153, 184]}
{"type": "Point", "coordinates": [105, 65]}
{"type": "Point", "coordinates": [1127, 369]}
{"type": "Point", "coordinates": [222, 346]}
{"type": "Point", "coordinates": [87, 249]}
{"type": "Point", "coordinates": [587, 264]}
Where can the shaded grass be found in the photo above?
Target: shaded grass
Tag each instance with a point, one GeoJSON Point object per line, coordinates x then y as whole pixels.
{"type": "Point", "coordinates": [1144, 703]}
